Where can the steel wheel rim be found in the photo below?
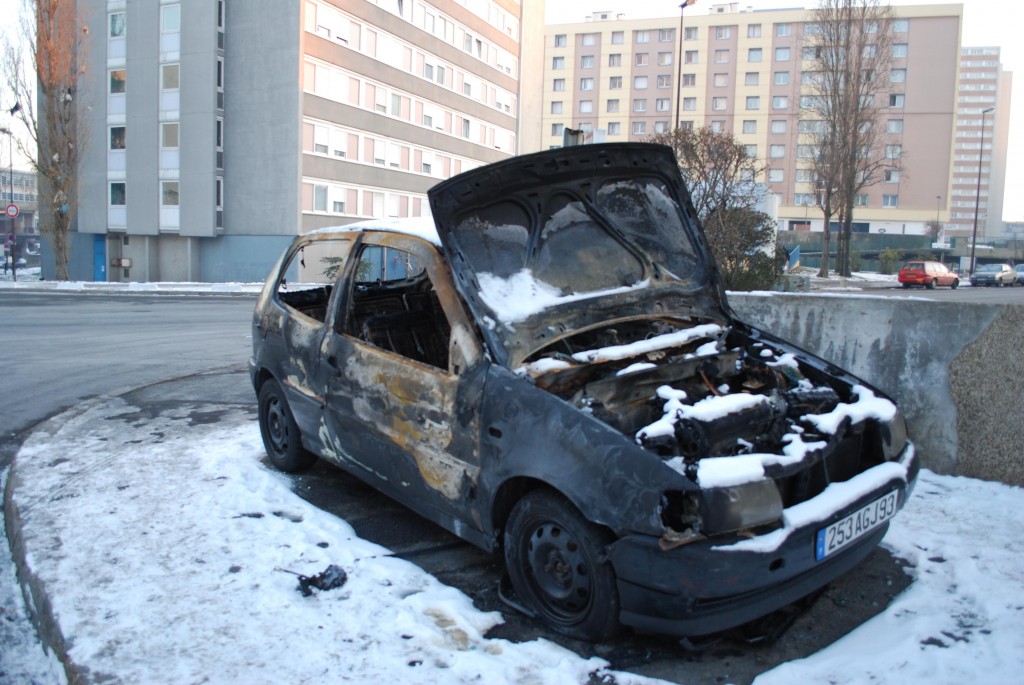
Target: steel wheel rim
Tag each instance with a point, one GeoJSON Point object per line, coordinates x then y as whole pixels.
{"type": "Point", "coordinates": [560, 572]}
{"type": "Point", "coordinates": [277, 425]}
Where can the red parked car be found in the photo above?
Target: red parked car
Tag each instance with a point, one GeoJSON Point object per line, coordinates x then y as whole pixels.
{"type": "Point", "coordinates": [928, 274]}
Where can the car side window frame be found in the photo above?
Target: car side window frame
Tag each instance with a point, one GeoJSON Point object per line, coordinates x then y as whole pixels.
{"type": "Point", "coordinates": [311, 297]}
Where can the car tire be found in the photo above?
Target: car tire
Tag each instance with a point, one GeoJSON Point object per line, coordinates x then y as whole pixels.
{"type": "Point", "coordinates": [906, 286]}
{"type": "Point", "coordinates": [556, 561]}
{"type": "Point", "coordinates": [931, 284]}
{"type": "Point", "coordinates": [280, 433]}
{"type": "Point", "coordinates": [954, 285]}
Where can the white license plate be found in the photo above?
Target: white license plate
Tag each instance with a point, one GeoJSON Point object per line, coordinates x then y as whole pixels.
{"type": "Point", "coordinates": [843, 532]}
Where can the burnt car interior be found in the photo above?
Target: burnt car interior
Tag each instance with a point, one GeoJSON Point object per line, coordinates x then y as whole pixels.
{"type": "Point", "coordinates": [394, 307]}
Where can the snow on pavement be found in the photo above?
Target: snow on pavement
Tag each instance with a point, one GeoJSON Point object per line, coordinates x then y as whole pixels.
{"type": "Point", "coordinates": [163, 545]}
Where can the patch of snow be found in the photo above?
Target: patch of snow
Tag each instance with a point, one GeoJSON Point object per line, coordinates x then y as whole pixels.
{"type": "Point", "coordinates": [867, 406]}
{"type": "Point", "coordinates": [721, 472]}
{"type": "Point", "coordinates": [658, 342]}
{"type": "Point", "coordinates": [421, 227]}
{"type": "Point", "coordinates": [521, 295]}
{"type": "Point", "coordinates": [633, 368]}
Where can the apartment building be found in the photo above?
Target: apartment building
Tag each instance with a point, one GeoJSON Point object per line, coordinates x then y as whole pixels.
{"type": "Point", "coordinates": [220, 129]}
{"type": "Point", "coordinates": [746, 72]}
{"type": "Point", "coordinates": [982, 128]}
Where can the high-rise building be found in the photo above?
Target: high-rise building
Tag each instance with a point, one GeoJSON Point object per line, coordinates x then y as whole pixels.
{"type": "Point", "coordinates": [220, 129]}
{"type": "Point", "coordinates": [982, 127]}
{"type": "Point", "coordinates": [746, 72]}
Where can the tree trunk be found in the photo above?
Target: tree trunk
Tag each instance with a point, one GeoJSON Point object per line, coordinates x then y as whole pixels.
{"type": "Point", "coordinates": [825, 240]}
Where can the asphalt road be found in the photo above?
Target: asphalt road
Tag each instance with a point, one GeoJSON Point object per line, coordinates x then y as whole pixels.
{"type": "Point", "coordinates": [59, 349]}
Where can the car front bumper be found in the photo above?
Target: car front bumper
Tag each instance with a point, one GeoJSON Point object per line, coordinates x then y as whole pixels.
{"type": "Point", "coordinates": [719, 583]}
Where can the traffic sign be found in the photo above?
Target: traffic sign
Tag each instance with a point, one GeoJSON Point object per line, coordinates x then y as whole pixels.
{"type": "Point", "coordinates": [12, 211]}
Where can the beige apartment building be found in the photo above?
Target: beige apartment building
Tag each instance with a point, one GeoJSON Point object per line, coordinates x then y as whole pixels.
{"type": "Point", "coordinates": [742, 71]}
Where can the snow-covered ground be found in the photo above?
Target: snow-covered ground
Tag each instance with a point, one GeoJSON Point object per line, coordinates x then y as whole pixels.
{"type": "Point", "coordinates": [166, 549]}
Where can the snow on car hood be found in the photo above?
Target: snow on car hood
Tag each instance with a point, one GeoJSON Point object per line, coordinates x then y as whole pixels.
{"type": "Point", "coordinates": [556, 242]}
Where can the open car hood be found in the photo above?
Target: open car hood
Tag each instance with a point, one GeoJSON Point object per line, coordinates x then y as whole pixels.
{"type": "Point", "coordinates": [553, 243]}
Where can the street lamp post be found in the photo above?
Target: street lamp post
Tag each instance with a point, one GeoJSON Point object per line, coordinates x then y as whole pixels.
{"type": "Point", "coordinates": [679, 65]}
{"type": "Point", "coordinates": [977, 191]}
{"type": "Point", "coordinates": [938, 201]}
{"type": "Point", "coordinates": [10, 219]}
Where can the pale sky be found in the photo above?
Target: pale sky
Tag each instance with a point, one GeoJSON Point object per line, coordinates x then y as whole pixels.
{"type": "Point", "coordinates": [986, 23]}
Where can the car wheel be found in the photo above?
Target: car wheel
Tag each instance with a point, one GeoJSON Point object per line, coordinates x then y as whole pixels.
{"type": "Point", "coordinates": [555, 559]}
{"type": "Point", "coordinates": [280, 432]}
{"type": "Point", "coordinates": [954, 285]}
{"type": "Point", "coordinates": [906, 286]}
{"type": "Point", "coordinates": [931, 284]}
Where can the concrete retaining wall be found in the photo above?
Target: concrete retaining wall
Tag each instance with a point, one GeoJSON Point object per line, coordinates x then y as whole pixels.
{"type": "Point", "coordinates": [956, 370]}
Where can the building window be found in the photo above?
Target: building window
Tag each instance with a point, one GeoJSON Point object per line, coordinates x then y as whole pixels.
{"type": "Point", "coordinates": [558, 85]}
{"type": "Point", "coordinates": [169, 193]}
{"type": "Point", "coordinates": [639, 83]}
{"type": "Point", "coordinates": [560, 40]}
{"type": "Point", "coordinates": [319, 198]}
{"type": "Point", "coordinates": [750, 151]}
{"type": "Point", "coordinates": [586, 106]}
{"type": "Point", "coordinates": [664, 81]}
{"type": "Point", "coordinates": [778, 126]}
{"type": "Point", "coordinates": [811, 52]}
{"type": "Point", "coordinates": [586, 84]}
{"type": "Point", "coordinates": [783, 30]}
{"type": "Point", "coordinates": [170, 76]}
{"type": "Point", "coordinates": [615, 83]}
{"type": "Point", "coordinates": [717, 125]}
{"type": "Point", "coordinates": [618, 37]}
{"type": "Point", "coordinates": [804, 200]}
{"type": "Point", "coordinates": [860, 200]}
{"type": "Point", "coordinates": [721, 56]}
{"type": "Point", "coordinates": [749, 126]}
{"type": "Point", "coordinates": [169, 135]}
{"type": "Point", "coordinates": [666, 35]}
{"type": "Point", "coordinates": [587, 62]}
{"type": "Point", "coordinates": [588, 39]}
{"type": "Point", "coordinates": [805, 175]}
{"type": "Point", "coordinates": [780, 102]}
{"type": "Point", "coordinates": [664, 59]}
{"type": "Point", "coordinates": [753, 102]}
{"type": "Point", "coordinates": [170, 18]}
{"type": "Point", "coordinates": [117, 25]}
{"type": "Point", "coordinates": [640, 105]}
{"type": "Point", "coordinates": [894, 126]}
{"type": "Point", "coordinates": [776, 151]}
{"type": "Point", "coordinates": [690, 57]}
{"type": "Point", "coordinates": [218, 191]}
{"type": "Point", "coordinates": [558, 62]}
{"type": "Point", "coordinates": [900, 25]}
{"type": "Point", "coordinates": [781, 78]}
{"type": "Point", "coordinates": [614, 128]}
{"type": "Point", "coordinates": [776, 176]}
{"type": "Point", "coordinates": [899, 50]}
{"type": "Point", "coordinates": [721, 80]}
{"type": "Point", "coordinates": [753, 31]}
{"type": "Point", "coordinates": [893, 151]}
{"type": "Point", "coordinates": [782, 54]}
{"type": "Point", "coordinates": [640, 59]}
{"type": "Point", "coordinates": [661, 127]}
{"type": "Point", "coordinates": [556, 107]}
{"type": "Point", "coordinates": [891, 176]}
{"type": "Point", "coordinates": [751, 78]}
{"type": "Point", "coordinates": [754, 55]}
{"type": "Point", "coordinates": [219, 135]}
{"type": "Point", "coordinates": [898, 75]}
{"type": "Point", "coordinates": [895, 100]}
{"type": "Point", "coordinates": [719, 104]}
{"type": "Point", "coordinates": [890, 200]}
{"type": "Point", "coordinates": [690, 33]}
{"type": "Point", "coordinates": [117, 194]}
{"type": "Point", "coordinates": [557, 129]}
{"type": "Point", "coordinates": [723, 32]}
{"type": "Point", "coordinates": [689, 80]}
{"type": "Point", "coordinates": [615, 59]}
{"type": "Point", "coordinates": [117, 80]}
{"type": "Point", "coordinates": [662, 104]}
{"type": "Point", "coordinates": [642, 36]}
{"type": "Point", "coordinates": [220, 74]}
{"type": "Point", "coordinates": [117, 137]}
{"type": "Point", "coordinates": [690, 104]}
{"type": "Point", "coordinates": [807, 151]}
{"type": "Point", "coordinates": [639, 128]}
{"type": "Point", "coordinates": [613, 105]}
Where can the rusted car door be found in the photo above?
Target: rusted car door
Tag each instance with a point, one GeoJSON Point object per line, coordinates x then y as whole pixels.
{"type": "Point", "coordinates": [401, 392]}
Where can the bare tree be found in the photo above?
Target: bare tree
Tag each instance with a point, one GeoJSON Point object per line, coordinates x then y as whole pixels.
{"type": "Point", "coordinates": [720, 176]}
{"type": "Point", "coordinates": [44, 66]}
{"type": "Point", "coordinates": [847, 87]}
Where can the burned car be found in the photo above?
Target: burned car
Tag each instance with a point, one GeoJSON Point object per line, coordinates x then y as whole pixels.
{"type": "Point", "coordinates": [550, 368]}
